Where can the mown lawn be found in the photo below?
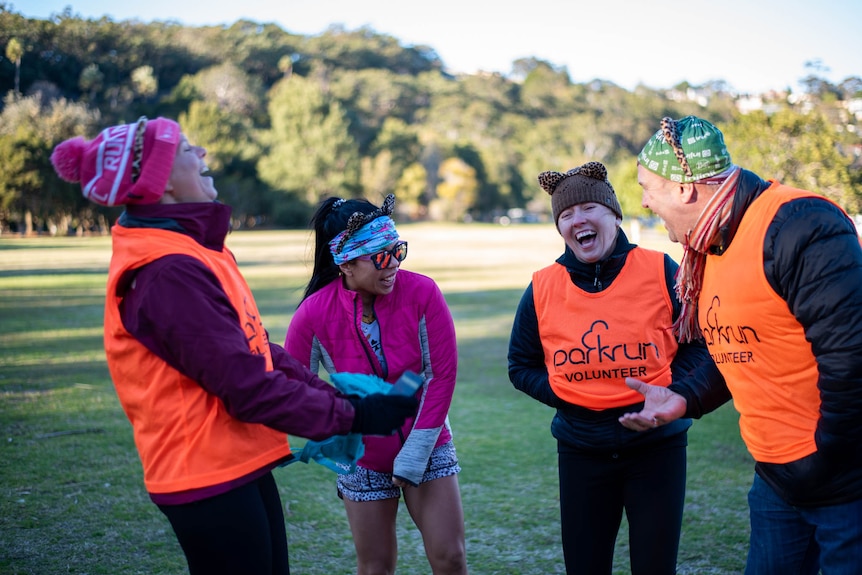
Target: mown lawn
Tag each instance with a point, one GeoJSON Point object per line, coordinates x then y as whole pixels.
{"type": "Point", "coordinates": [71, 495]}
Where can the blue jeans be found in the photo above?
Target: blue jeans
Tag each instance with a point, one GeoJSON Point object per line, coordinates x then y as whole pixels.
{"type": "Point", "coordinates": [788, 540]}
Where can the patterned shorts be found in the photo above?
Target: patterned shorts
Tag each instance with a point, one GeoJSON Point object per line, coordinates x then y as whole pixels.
{"type": "Point", "coordinates": [367, 485]}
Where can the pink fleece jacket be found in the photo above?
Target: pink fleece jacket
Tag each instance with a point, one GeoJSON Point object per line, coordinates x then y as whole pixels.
{"type": "Point", "coordinates": [416, 333]}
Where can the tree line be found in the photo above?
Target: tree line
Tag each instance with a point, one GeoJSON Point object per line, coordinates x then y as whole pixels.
{"type": "Point", "coordinates": [289, 119]}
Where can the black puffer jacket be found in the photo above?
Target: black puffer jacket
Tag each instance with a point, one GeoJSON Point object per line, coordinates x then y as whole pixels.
{"type": "Point", "coordinates": [600, 431]}
{"type": "Point", "coordinates": [812, 259]}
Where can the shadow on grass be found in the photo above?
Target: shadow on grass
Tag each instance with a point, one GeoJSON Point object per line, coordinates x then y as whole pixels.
{"type": "Point", "coordinates": [7, 245]}
{"type": "Point", "coordinates": [99, 274]}
{"type": "Point", "coordinates": [78, 497]}
{"type": "Point", "coordinates": [44, 377]}
{"type": "Point", "coordinates": [52, 337]}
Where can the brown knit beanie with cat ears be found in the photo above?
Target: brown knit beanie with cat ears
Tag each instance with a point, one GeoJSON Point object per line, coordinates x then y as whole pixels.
{"type": "Point", "coordinates": [587, 183]}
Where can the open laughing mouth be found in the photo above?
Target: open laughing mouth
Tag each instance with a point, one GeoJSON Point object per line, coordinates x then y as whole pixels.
{"type": "Point", "coordinates": [585, 236]}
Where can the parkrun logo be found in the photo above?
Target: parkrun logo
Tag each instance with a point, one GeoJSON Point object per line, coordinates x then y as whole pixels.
{"type": "Point", "coordinates": [716, 334]}
{"type": "Point", "coordinates": [596, 347]}
{"type": "Point", "coordinates": [258, 342]}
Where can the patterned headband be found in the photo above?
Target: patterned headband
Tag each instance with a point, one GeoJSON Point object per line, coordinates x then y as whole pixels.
{"type": "Point", "coordinates": [358, 219]}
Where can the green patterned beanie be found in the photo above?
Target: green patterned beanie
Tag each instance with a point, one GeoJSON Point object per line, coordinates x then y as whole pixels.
{"type": "Point", "coordinates": [685, 150]}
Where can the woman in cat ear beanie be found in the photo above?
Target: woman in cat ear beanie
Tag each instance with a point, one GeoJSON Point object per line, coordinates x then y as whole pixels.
{"type": "Point", "coordinates": [601, 313]}
{"type": "Point", "coordinates": [210, 399]}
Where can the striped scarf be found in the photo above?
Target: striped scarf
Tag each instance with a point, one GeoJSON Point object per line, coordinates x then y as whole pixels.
{"type": "Point", "coordinates": [689, 276]}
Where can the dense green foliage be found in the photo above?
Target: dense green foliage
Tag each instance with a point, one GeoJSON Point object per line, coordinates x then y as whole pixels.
{"type": "Point", "coordinates": [288, 119]}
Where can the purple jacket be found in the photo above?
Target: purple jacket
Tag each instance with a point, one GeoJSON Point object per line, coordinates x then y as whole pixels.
{"type": "Point", "coordinates": [176, 307]}
{"type": "Point", "coordinates": [416, 333]}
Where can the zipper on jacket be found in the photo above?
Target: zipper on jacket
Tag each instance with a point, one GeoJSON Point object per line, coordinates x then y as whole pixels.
{"type": "Point", "coordinates": [597, 283]}
{"type": "Point", "coordinates": [366, 346]}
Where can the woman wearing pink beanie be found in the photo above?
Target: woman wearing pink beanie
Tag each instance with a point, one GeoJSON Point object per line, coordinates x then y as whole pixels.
{"type": "Point", "coordinates": [210, 399]}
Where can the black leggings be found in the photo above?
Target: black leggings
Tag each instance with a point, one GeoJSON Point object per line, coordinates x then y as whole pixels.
{"type": "Point", "coordinates": [240, 532]}
{"type": "Point", "coordinates": [594, 490]}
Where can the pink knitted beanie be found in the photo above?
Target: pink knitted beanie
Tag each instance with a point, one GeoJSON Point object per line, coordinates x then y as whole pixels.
{"type": "Point", "coordinates": [125, 164]}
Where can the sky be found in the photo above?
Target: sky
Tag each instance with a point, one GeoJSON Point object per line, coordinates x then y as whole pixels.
{"type": "Point", "coordinates": [752, 45]}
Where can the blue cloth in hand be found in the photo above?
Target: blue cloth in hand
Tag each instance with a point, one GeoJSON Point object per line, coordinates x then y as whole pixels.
{"type": "Point", "coordinates": [341, 452]}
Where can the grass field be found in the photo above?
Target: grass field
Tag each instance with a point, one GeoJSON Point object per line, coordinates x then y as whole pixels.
{"type": "Point", "coordinates": [71, 494]}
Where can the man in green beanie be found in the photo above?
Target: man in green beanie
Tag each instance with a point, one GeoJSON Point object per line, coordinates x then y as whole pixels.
{"type": "Point", "coordinates": [770, 280]}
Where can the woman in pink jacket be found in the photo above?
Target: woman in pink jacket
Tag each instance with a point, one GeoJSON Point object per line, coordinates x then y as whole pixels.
{"type": "Point", "coordinates": [356, 316]}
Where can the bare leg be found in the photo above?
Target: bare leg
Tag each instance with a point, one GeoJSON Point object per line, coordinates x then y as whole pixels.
{"type": "Point", "coordinates": [373, 526]}
{"type": "Point", "coordinates": [435, 507]}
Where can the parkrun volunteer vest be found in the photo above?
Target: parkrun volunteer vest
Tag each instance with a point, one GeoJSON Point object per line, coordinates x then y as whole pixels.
{"type": "Point", "coordinates": [593, 341]}
{"type": "Point", "coordinates": [185, 437]}
{"type": "Point", "coordinates": [757, 343]}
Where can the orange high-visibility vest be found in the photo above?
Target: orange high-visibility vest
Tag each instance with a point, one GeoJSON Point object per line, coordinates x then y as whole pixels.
{"type": "Point", "coordinates": [593, 341]}
{"type": "Point", "coordinates": [758, 344]}
{"type": "Point", "coordinates": [185, 437]}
